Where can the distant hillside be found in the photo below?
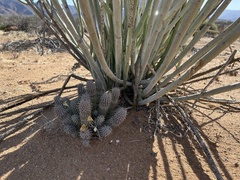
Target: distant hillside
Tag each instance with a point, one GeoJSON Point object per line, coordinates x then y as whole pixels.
{"type": "Point", "coordinates": [230, 15]}
{"type": "Point", "coordinates": [14, 7]}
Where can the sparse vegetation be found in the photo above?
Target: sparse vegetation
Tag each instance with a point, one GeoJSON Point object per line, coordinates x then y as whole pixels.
{"type": "Point", "coordinates": [93, 113]}
{"type": "Point", "coordinates": [20, 23]}
{"type": "Point", "coordinates": [142, 48]}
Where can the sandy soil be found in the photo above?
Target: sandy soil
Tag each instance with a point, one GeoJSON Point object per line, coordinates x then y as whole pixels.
{"type": "Point", "coordinates": [40, 150]}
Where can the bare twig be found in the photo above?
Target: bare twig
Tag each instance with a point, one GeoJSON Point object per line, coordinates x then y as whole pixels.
{"type": "Point", "coordinates": [208, 77]}
{"type": "Point", "coordinates": [67, 80]}
{"type": "Point", "coordinates": [201, 142]}
{"type": "Point", "coordinates": [28, 97]}
{"type": "Point", "coordinates": [233, 60]}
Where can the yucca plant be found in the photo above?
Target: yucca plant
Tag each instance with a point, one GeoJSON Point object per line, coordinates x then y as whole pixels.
{"type": "Point", "coordinates": [139, 44]}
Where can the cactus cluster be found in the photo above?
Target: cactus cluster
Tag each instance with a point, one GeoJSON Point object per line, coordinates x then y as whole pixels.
{"type": "Point", "coordinates": [93, 113]}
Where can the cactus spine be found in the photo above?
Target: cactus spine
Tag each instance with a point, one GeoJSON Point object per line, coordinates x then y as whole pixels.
{"type": "Point", "coordinates": [84, 108]}
{"type": "Point", "coordinates": [105, 102]}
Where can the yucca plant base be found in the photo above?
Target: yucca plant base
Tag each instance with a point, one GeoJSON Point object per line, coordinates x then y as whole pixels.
{"type": "Point", "coordinates": [94, 113]}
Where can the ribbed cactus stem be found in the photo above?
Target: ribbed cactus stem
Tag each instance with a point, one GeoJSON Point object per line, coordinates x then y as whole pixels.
{"type": "Point", "coordinates": [115, 97]}
{"type": "Point", "coordinates": [99, 120]}
{"type": "Point", "coordinates": [74, 106]}
{"type": "Point", "coordinates": [81, 90]}
{"type": "Point", "coordinates": [86, 135]}
{"type": "Point", "coordinates": [84, 108]}
{"type": "Point", "coordinates": [99, 88]}
{"type": "Point", "coordinates": [91, 88]}
{"type": "Point", "coordinates": [118, 117]}
{"type": "Point", "coordinates": [67, 119]}
{"type": "Point", "coordinates": [60, 109]}
{"type": "Point", "coordinates": [105, 102]}
{"type": "Point", "coordinates": [104, 131]}
{"type": "Point", "coordinates": [71, 130]}
{"type": "Point", "coordinates": [76, 119]}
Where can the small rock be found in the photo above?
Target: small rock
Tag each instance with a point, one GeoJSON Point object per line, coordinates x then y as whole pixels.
{"type": "Point", "coordinates": [117, 141]}
{"type": "Point", "coordinates": [110, 142]}
{"type": "Point", "coordinates": [236, 164]}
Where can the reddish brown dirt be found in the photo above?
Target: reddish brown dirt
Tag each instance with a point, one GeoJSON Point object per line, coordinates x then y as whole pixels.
{"type": "Point", "coordinates": [40, 150]}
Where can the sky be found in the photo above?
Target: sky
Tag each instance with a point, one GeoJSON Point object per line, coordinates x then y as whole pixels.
{"type": "Point", "coordinates": [234, 5]}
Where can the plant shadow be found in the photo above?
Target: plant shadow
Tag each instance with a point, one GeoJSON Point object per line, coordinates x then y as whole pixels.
{"type": "Point", "coordinates": [41, 150]}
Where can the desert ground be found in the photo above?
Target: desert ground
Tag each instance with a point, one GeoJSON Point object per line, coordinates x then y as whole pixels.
{"type": "Point", "coordinates": [39, 149]}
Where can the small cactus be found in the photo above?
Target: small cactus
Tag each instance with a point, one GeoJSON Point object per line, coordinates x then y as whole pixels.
{"type": "Point", "coordinates": [71, 130]}
{"type": "Point", "coordinates": [60, 109]}
{"type": "Point", "coordinates": [93, 113]}
{"type": "Point", "coordinates": [73, 106]}
{"type": "Point", "coordinates": [99, 120]}
{"type": "Point", "coordinates": [104, 131]}
{"type": "Point", "coordinates": [99, 86]}
{"type": "Point", "coordinates": [105, 102]}
{"type": "Point", "coordinates": [91, 88]}
{"type": "Point", "coordinates": [118, 117]}
{"type": "Point", "coordinates": [115, 95]}
{"type": "Point", "coordinates": [81, 90]}
{"type": "Point", "coordinates": [86, 135]}
{"type": "Point", "coordinates": [84, 107]}
{"type": "Point", "coordinates": [67, 119]}
{"type": "Point", "coordinates": [76, 119]}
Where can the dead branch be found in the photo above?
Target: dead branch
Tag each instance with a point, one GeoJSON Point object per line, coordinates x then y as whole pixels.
{"type": "Point", "coordinates": [208, 77]}
{"type": "Point", "coordinates": [67, 80]}
{"type": "Point", "coordinates": [232, 61]}
{"type": "Point", "coordinates": [200, 140]}
{"type": "Point", "coordinates": [19, 100]}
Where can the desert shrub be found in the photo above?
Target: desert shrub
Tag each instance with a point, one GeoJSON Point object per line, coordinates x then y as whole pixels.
{"type": "Point", "coordinates": [212, 30]}
{"type": "Point", "coordinates": [23, 23]}
{"type": "Point", "coordinates": [92, 113]}
{"type": "Point", "coordinates": [139, 45]}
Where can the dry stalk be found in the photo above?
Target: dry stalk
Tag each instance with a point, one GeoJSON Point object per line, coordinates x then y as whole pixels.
{"type": "Point", "coordinates": [200, 140]}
